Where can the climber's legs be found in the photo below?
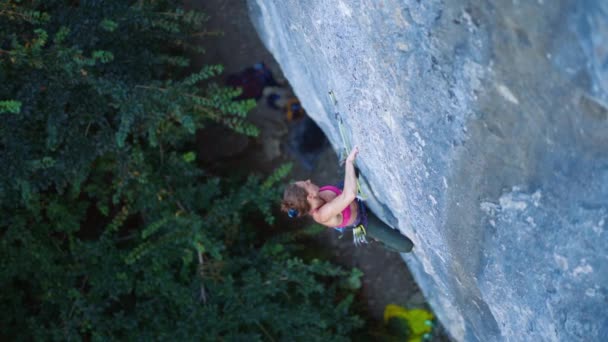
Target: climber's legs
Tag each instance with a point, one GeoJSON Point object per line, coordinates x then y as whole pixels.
{"type": "Point", "coordinates": [391, 238]}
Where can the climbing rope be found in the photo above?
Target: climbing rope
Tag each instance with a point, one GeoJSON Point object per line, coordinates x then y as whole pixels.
{"type": "Point", "coordinates": [359, 231]}
{"type": "Point", "coordinates": [345, 143]}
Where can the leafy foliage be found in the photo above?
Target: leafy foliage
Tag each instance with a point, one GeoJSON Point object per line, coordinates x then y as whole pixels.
{"type": "Point", "coordinates": [109, 229]}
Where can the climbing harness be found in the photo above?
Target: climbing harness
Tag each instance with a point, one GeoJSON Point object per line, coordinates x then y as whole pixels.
{"type": "Point", "coordinates": [359, 231]}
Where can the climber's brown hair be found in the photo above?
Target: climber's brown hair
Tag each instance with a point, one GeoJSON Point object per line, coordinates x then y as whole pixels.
{"type": "Point", "coordinates": [294, 197]}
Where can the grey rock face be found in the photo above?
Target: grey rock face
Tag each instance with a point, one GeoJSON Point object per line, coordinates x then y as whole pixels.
{"type": "Point", "coordinates": [483, 130]}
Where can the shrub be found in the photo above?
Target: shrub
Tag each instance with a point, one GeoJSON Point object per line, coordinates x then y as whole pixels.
{"type": "Point", "coordinates": [109, 228]}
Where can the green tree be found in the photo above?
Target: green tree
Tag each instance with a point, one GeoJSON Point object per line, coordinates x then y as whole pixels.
{"type": "Point", "coordinates": [109, 228]}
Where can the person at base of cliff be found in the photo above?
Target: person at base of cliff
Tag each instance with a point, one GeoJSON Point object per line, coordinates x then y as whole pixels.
{"type": "Point", "coordinates": [252, 80]}
{"type": "Point", "coordinates": [340, 208]}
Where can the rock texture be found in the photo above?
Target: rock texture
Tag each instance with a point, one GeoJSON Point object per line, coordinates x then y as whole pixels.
{"type": "Point", "coordinates": [483, 129]}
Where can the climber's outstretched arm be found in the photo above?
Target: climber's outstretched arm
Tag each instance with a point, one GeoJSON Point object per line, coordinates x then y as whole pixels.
{"type": "Point", "coordinates": [328, 211]}
{"type": "Point", "coordinates": [350, 177]}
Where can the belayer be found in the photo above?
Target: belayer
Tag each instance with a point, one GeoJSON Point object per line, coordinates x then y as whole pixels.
{"type": "Point", "coordinates": [341, 209]}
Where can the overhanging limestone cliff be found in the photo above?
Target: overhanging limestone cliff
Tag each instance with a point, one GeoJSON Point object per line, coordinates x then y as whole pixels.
{"type": "Point", "coordinates": [484, 130]}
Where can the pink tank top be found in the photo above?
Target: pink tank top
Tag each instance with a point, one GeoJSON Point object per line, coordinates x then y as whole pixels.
{"type": "Point", "coordinates": [346, 212]}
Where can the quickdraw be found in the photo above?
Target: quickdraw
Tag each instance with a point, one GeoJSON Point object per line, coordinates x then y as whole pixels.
{"type": "Point", "coordinates": [359, 235]}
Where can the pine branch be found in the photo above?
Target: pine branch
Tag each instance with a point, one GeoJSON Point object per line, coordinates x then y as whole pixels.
{"type": "Point", "coordinates": [215, 33]}
{"type": "Point", "coordinates": [17, 14]}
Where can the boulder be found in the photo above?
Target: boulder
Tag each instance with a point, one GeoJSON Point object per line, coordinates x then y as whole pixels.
{"type": "Point", "coordinates": [483, 130]}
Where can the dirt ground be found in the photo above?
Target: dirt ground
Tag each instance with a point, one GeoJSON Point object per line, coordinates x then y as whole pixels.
{"type": "Point", "coordinates": [386, 278]}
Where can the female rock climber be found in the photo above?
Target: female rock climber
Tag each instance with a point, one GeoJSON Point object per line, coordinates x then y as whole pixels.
{"type": "Point", "coordinates": [340, 208]}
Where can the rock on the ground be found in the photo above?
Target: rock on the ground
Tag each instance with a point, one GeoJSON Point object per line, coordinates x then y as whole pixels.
{"type": "Point", "coordinates": [483, 130]}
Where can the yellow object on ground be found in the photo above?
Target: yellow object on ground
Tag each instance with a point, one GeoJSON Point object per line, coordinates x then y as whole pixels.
{"type": "Point", "coordinates": [418, 320]}
{"type": "Point", "coordinates": [294, 109]}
